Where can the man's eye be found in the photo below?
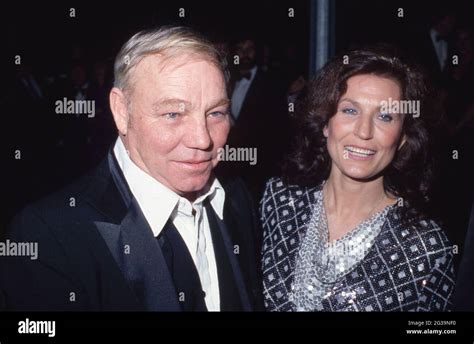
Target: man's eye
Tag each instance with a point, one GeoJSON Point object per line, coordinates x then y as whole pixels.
{"type": "Point", "coordinates": [349, 111]}
{"type": "Point", "coordinates": [171, 115]}
{"type": "Point", "coordinates": [385, 117]}
{"type": "Point", "coordinates": [217, 113]}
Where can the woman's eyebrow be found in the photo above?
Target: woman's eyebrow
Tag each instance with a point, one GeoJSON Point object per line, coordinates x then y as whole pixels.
{"type": "Point", "coordinates": [354, 102]}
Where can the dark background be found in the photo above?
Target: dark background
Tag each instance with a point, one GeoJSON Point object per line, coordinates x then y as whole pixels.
{"type": "Point", "coordinates": [51, 43]}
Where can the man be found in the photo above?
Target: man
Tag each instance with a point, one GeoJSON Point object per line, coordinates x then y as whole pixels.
{"type": "Point", "coordinates": [433, 49]}
{"type": "Point", "coordinates": [463, 294]}
{"type": "Point", "coordinates": [151, 228]}
{"type": "Point", "coordinates": [259, 113]}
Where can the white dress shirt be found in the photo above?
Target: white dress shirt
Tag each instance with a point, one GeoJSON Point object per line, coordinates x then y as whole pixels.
{"type": "Point", "coordinates": [240, 91]}
{"type": "Point", "coordinates": [158, 203]}
{"type": "Point", "coordinates": [441, 48]}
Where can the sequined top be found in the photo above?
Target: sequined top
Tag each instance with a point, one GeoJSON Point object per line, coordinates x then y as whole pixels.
{"type": "Point", "coordinates": [380, 265]}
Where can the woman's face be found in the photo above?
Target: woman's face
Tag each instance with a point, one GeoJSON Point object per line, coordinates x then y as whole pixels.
{"type": "Point", "coordinates": [361, 139]}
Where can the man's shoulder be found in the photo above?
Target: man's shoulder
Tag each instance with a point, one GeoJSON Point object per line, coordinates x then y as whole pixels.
{"type": "Point", "coordinates": [236, 192]}
{"type": "Point", "coordinates": [64, 205]}
{"type": "Point", "coordinates": [232, 185]}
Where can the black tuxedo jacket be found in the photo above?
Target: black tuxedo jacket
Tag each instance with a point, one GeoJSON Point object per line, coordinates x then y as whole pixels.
{"type": "Point", "coordinates": [96, 251]}
{"type": "Point", "coordinates": [263, 113]}
{"type": "Point", "coordinates": [422, 49]}
{"type": "Point", "coordinates": [263, 123]}
{"type": "Point", "coordinates": [464, 292]}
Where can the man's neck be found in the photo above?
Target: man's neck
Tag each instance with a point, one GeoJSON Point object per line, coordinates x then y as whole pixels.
{"type": "Point", "coordinates": [190, 196]}
{"type": "Point", "coordinates": [247, 70]}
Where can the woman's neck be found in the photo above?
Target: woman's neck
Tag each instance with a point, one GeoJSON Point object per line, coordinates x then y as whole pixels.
{"type": "Point", "coordinates": [346, 197]}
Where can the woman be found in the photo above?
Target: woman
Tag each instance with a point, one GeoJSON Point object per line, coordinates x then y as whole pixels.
{"type": "Point", "coordinates": [345, 228]}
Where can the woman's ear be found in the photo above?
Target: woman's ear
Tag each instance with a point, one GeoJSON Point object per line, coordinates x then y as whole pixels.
{"type": "Point", "coordinates": [118, 106]}
{"type": "Point", "coordinates": [402, 142]}
{"type": "Point", "coordinates": [325, 131]}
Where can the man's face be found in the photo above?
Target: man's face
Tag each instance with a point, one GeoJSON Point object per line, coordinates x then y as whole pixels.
{"type": "Point", "coordinates": [247, 53]}
{"type": "Point", "coordinates": [178, 119]}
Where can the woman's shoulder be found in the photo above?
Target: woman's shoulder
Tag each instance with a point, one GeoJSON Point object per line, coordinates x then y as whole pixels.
{"type": "Point", "coordinates": [280, 192]}
{"type": "Point", "coordinates": [274, 185]}
{"type": "Point", "coordinates": [423, 236]}
{"type": "Point", "coordinates": [285, 205]}
{"type": "Point", "coordinates": [432, 235]}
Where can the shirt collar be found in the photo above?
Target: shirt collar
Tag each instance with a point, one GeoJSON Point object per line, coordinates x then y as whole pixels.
{"type": "Point", "coordinates": [156, 201]}
{"type": "Point", "coordinates": [434, 34]}
{"type": "Point", "coordinates": [253, 71]}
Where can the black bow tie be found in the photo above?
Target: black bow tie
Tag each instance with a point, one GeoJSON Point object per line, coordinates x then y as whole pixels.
{"type": "Point", "coordinates": [247, 76]}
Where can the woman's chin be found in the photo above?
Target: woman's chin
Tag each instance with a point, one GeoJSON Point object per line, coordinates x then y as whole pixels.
{"type": "Point", "coordinates": [358, 174]}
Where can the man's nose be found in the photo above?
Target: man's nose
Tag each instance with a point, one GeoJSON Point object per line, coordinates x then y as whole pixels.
{"type": "Point", "coordinates": [364, 127]}
{"type": "Point", "coordinates": [197, 135]}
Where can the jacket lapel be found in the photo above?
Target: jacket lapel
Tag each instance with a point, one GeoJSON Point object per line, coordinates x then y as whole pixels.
{"type": "Point", "coordinates": [133, 246]}
{"type": "Point", "coordinates": [223, 227]}
{"type": "Point", "coordinates": [143, 263]}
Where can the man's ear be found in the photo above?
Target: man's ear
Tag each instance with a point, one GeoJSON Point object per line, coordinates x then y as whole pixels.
{"type": "Point", "coordinates": [118, 106]}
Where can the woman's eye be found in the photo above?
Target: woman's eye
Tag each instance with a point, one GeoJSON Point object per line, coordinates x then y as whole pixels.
{"type": "Point", "coordinates": [385, 117]}
{"type": "Point", "coordinates": [349, 111]}
{"type": "Point", "coordinates": [171, 115]}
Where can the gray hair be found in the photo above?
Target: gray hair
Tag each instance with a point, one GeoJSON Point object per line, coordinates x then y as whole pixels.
{"type": "Point", "coordinates": [167, 40]}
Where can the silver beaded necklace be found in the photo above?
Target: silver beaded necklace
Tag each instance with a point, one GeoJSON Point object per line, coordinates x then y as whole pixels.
{"type": "Point", "coordinates": [320, 264]}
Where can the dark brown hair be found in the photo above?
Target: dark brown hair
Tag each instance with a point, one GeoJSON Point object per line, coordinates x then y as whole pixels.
{"type": "Point", "coordinates": [411, 172]}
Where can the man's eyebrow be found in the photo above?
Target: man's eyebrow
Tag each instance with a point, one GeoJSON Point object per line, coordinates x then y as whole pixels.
{"type": "Point", "coordinates": [176, 101]}
{"type": "Point", "coordinates": [170, 101]}
{"type": "Point", "coordinates": [223, 101]}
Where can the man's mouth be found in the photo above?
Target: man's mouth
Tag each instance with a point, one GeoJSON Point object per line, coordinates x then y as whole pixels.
{"type": "Point", "coordinates": [193, 161]}
{"type": "Point", "coordinates": [194, 164]}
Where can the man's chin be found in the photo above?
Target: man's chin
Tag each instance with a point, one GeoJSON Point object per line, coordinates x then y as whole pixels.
{"type": "Point", "coordinates": [193, 184]}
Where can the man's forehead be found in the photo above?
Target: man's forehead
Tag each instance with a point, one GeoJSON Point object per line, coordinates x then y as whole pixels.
{"type": "Point", "coordinates": [164, 81]}
{"type": "Point", "coordinates": [168, 63]}
{"type": "Point", "coordinates": [185, 103]}
{"type": "Point", "coordinates": [176, 75]}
